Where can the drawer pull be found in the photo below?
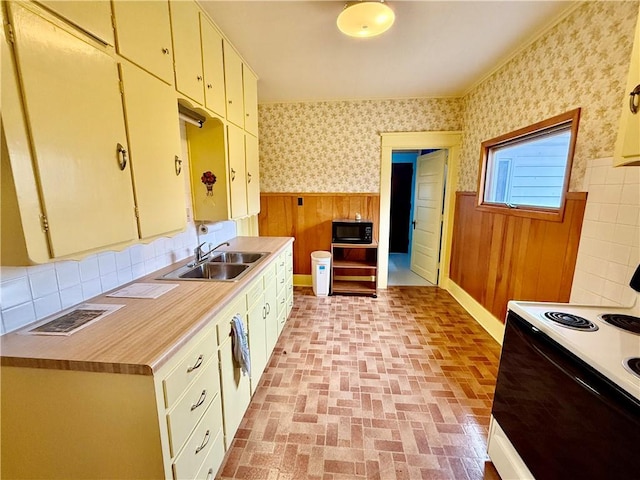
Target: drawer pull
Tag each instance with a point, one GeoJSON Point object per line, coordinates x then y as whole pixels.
{"type": "Point", "coordinates": [201, 400]}
{"type": "Point", "coordinates": [268, 309]}
{"type": "Point", "coordinates": [282, 281]}
{"type": "Point", "coordinates": [210, 474]}
{"type": "Point", "coordinates": [264, 312]}
{"type": "Point", "coordinates": [282, 302]}
{"type": "Point", "coordinates": [204, 442]}
{"type": "Point", "coordinates": [197, 365]}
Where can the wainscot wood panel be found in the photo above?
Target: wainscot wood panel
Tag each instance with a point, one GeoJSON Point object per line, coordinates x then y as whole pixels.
{"type": "Point", "coordinates": [496, 257]}
{"type": "Point", "coordinates": [310, 223]}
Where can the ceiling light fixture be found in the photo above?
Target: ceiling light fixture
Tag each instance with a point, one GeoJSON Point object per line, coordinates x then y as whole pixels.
{"type": "Point", "coordinates": [366, 18]}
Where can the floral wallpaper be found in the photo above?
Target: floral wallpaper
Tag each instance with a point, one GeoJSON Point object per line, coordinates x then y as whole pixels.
{"type": "Point", "coordinates": [581, 62]}
{"type": "Point", "coordinates": [335, 146]}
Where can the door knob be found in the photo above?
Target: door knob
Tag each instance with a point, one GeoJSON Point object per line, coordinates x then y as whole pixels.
{"type": "Point", "coordinates": [414, 224]}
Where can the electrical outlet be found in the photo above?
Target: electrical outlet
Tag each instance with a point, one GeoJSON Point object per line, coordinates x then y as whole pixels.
{"type": "Point", "coordinates": [299, 201]}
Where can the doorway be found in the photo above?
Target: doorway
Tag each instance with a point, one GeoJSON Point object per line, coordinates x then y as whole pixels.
{"type": "Point", "coordinates": [417, 141]}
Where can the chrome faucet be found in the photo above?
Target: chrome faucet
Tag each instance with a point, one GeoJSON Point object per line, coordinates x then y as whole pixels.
{"type": "Point", "coordinates": [201, 256]}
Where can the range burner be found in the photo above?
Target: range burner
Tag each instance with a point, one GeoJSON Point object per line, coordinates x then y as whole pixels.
{"type": "Point", "coordinates": [571, 321]}
{"type": "Point", "coordinates": [625, 322]}
{"type": "Point", "coordinates": [633, 365]}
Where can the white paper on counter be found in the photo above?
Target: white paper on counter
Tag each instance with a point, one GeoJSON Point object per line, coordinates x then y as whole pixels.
{"type": "Point", "coordinates": [144, 290]}
{"type": "Point", "coordinates": [72, 320]}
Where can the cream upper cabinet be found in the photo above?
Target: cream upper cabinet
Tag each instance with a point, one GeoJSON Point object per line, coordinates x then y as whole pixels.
{"type": "Point", "coordinates": [233, 85]}
{"type": "Point", "coordinates": [627, 149]}
{"type": "Point", "coordinates": [74, 112]}
{"type": "Point", "coordinates": [154, 140]}
{"type": "Point", "coordinates": [250, 83]}
{"type": "Point", "coordinates": [187, 53]}
{"type": "Point", "coordinates": [237, 172]}
{"type": "Point", "coordinates": [93, 17]}
{"type": "Point", "coordinates": [253, 174]}
{"type": "Point", "coordinates": [143, 32]}
{"type": "Point", "coordinates": [213, 64]}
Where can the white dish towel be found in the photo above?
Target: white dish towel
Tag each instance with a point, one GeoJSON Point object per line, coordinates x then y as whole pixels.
{"type": "Point", "coordinates": [239, 345]}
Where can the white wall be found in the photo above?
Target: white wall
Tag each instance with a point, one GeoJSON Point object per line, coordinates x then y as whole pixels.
{"type": "Point", "coordinates": [609, 249]}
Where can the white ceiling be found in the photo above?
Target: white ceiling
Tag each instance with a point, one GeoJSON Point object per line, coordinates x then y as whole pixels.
{"type": "Point", "coordinates": [434, 49]}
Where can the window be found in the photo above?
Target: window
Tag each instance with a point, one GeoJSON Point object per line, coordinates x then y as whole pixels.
{"type": "Point", "coordinates": [526, 172]}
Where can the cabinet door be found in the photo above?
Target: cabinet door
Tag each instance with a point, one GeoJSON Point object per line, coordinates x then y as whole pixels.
{"type": "Point", "coordinates": [233, 85]}
{"type": "Point", "coordinates": [271, 304]}
{"type": "Point", "coordinates": [237, 172]}
{"type": "Point", "coordinates": [257, 326]}
{"type": "Point", "coordinates": [236, 394]}
{"type": "Point", "coordinates": [154, 139]}
{"type": "Point", "coordinates": [253, 175]}
{"type": "Point", "coordinates": [93, 17]}
{"type": "Point", "coordinates": [627, 149]}
{"type": "Point", "coordinates": [143, 30]}
{"type": "Point", "coordinates": [187, 54]}
{"type": "Point", "coordinates": [213, 64]}
{"type": "Point", "coordinates": [250, 83]}
{"type": "Point", "coordinates": [74, 110]}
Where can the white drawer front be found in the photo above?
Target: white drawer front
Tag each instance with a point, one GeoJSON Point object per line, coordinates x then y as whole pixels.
{"type": "Point", "coordinates": [213, 461]}
{"type": "Point", "coordinates": [185, 415]}
{"type": "Point", "coordinates": [202, 440]}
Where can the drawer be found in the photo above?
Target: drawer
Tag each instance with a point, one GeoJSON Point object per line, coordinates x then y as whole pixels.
{"type": "Point", "coordinates": [187, 370]}
{"type": "Point", "coordinates": [282, 317]}
{"type": "Point", "coordinates": [185, 415]}
{"type": "Point", "coordinates": [212, 463]}
{"type": "Point", "coordinates": [281, 263]}
{"type": "Point", "coordinates": [269, 274]}
{"type": "Point", "coordinates": [223, 325]}
{"type": "Point", "coordinates": [254, 292]}
{"type": "Point", "coordinates": [282, 301]}
{"type": "Point", "coordinates": [290, 303]}
{"type": "Point", "coordinates": [188, 462]}
{"type": "Point", "coordinates": [281, 280]}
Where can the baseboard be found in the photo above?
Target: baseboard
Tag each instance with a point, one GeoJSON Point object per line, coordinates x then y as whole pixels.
{"type": "Point", "coordinates": [300, 280]}
{"type": "Point", "coordinates": [491, 324]}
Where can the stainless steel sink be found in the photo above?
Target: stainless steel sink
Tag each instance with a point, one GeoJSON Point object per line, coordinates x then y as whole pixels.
{"type": "Point", "coordinates": [237, 257]}
{"type": "Point", "coordinates": [216, 271]}
{"type": "Point", "coordinates": [223, 267]}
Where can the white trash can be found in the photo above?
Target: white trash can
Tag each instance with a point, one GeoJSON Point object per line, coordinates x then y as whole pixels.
{"type": "Point", "coordinates": [321, 273]}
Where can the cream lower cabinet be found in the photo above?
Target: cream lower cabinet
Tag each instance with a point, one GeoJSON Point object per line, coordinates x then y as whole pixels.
{"type": "Point", "coordinates": [73, 108]}
{"type": "Point", "coordinates": [257, 330]}
{"type": "Point", "coordinates": [236, 392]}
{"type": "Point", "coordinates": [284, 287]}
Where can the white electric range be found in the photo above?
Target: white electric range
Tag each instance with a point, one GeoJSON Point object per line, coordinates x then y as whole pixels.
{"type": "Point", "coordinates": [567, 401]}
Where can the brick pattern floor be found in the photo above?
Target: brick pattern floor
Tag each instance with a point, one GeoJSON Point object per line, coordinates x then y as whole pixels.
{"type": "Point", "coordinates": [395, 387]}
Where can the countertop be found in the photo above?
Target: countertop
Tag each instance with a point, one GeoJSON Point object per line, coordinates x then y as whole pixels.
{"type": "Point", "coordinates": [140, 337]}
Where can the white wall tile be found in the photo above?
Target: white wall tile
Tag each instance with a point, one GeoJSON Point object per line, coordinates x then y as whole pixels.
{"type": "Point", "coordinates": [109, 281]}
{"type": "Point", "coordinates": [19, 316]}
{"type": "Point", "coordinates": [14, 292]}
{"type": "Point", "coordinates": [9, 273]}
{"type": "Point", "coordinates": [137, 270]}
{"type": "Point", "coordinates": [68, 274]}
{"type": "Point", "coordinates": [630, 194]}
{"type": "Point", "coordinates": [48, 305]}
{"type": "Point", "coordinates": [91, 288]}
{"type": "Point", "coordinates": [628, 215]}
{"type": "Point", "coordinates": [71, 296]}
{"type": "Point", "coordinates": [43, 283]}
{"type": "Point", "coordinates": [137, 254]}
{"type": "Point", "coordinates": [123, 259]}
{"type": "Point", "coordinates": [89, 269]}
{"type": "Point", "coordinates": [125, 276]}
{"type": "Point", "coordinates": [107, 263]}
{"type": "Point", "coordinates": [621, 254]}
{"type": "Point", "coordinates": [614, 176]}
{"type": "Point", "coordinates": [599, 175]}
{"type": "Point", "coordinates": [631, 175]}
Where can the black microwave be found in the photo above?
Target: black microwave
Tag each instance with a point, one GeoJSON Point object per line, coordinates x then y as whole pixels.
{"type": "Point", "coordinates": [345, 230]}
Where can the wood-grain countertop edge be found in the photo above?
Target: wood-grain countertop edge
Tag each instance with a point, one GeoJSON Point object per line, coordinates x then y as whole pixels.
{"type": "Point", "coordinates": [139, 338]}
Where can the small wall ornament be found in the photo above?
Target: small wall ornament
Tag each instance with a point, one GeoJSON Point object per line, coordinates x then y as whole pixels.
{"type": "Point", "coordinates": [208, 179]}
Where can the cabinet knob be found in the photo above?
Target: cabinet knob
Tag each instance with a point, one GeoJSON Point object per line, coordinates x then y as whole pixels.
{"type": "Point", "coordinates": [247, 114]}
{"type": "Point", "coordinates": [209, 86]}
{"type": "Point", "coordinates": [165, 50]}
{"type": "Point", "coordinates": [230, 102]}
{"type": "Point", "coordinates": [199, 77]}
{"type": "Point", "coordinates": [634, 100]}
{"type": "Point", "coordinates": [178, 165]}
{"type": "Point", "coordinates": [233, 174]}
{"type": "Point", "coordinates": [248, 177]}
{"type": "Point", "coordinates": [122, 154]}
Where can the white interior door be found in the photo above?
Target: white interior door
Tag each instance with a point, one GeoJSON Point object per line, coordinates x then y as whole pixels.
{"type": "Point", "coordinates": [427, 215]}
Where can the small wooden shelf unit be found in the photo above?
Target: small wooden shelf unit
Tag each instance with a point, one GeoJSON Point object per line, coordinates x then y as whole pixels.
{"type": "Point", "coordinates": [354, 268]}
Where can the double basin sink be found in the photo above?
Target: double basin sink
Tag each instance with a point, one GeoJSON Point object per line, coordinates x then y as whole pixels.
{"type": "Point", "coordinates": [221, 267]}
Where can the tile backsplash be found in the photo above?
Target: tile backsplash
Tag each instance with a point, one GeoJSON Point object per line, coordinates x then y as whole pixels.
{"type": "Point", "coordinates": [609, 249]}
{"type": "Point", "coordinates": [31, 293]}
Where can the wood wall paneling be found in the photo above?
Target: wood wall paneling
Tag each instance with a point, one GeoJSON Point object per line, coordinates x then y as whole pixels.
{"type": "Point", "coordinates": [310, 223]}
{"type": "Point", "coordinates": [499, 257]}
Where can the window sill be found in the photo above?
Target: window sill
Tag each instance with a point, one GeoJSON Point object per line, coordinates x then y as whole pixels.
{"type": "Point", "coordinates": [549, 215]}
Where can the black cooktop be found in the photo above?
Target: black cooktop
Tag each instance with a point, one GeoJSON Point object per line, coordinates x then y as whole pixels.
{"type": "Point", "coordinates": [633, 365]}
{"type": "Point", "coordinates": [571, 321]}
{"type": "Point", "coordinates": [629, 323]}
